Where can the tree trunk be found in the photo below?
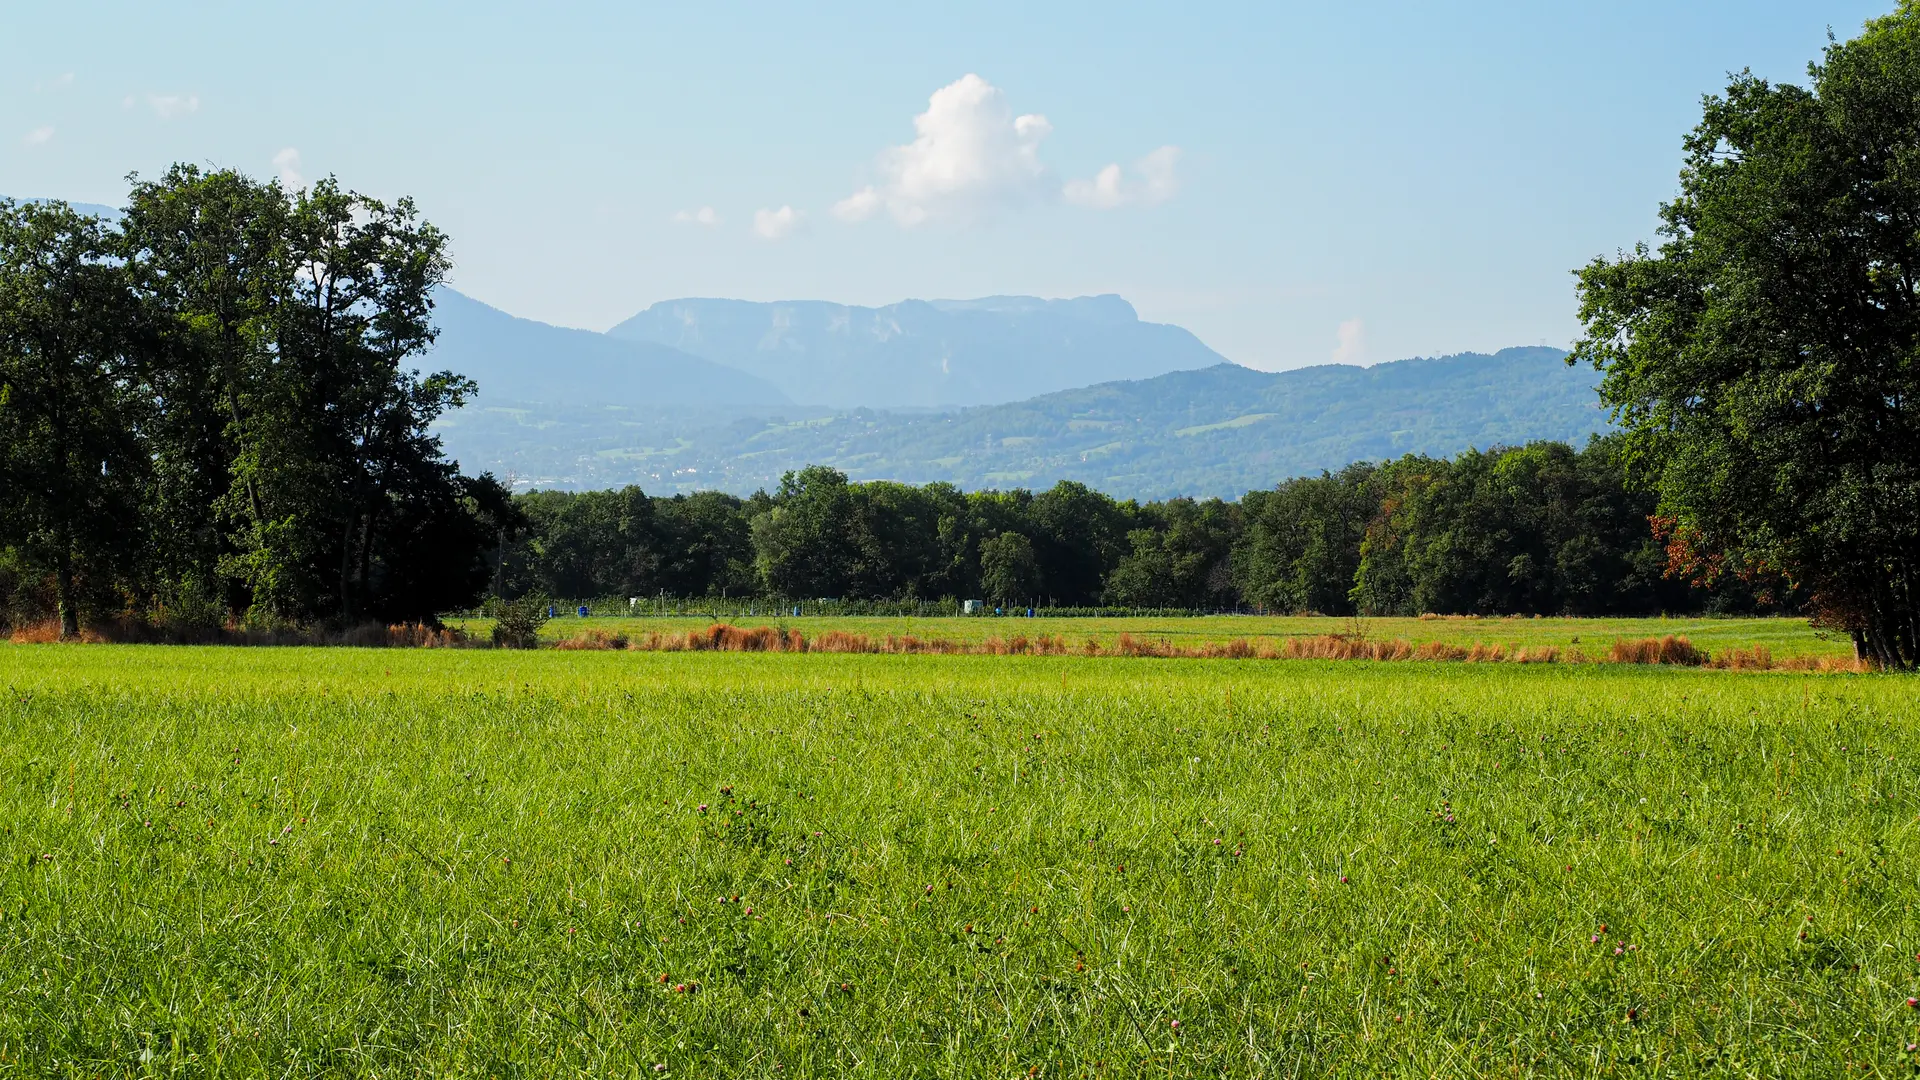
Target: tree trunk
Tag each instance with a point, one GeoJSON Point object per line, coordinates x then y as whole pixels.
{"type": "Point", "coordinates": [63, 584]}
{"type": "Point", "coordinates": [346, 567]}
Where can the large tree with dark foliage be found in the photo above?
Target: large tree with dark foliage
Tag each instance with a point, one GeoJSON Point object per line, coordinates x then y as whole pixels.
{"type": "Point", "coordinates": [1766, 357]}
{"type": "Point", "coordinates": [211, 405]}
{"type": "Point", "coordinates": [71, 406]}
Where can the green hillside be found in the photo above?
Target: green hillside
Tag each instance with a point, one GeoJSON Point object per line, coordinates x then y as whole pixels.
{"type": "Point", "coordinates": [1221, 430]}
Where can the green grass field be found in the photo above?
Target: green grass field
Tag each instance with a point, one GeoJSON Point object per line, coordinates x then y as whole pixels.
{"type": "Point", "coordinates": [1784, 637]}
{"type": "Point", "coordinates": [306, 862]}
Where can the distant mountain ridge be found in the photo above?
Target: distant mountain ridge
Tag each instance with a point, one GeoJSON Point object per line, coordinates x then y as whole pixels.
{"type": "Point", "coordinates": [526, 362]}
{"type": "Point", "coordinates": [923, 353]}
{"type": "Point", "coordinates": [1221, 430]}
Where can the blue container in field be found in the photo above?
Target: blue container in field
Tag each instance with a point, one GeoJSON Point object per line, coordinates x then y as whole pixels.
{"type": "Point", "coordinates": [583, 611]}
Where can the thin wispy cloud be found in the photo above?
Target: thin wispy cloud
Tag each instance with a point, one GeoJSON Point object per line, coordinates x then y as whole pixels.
{"type": "Point", "coordinates": [776, 224]}
{"type": "Point", "coordinates": [168, 106]}
{"type": "Point", "coordinates": [39, 136]}
{"type": "Point", "coordinates": [58, 82]}
{"type": "Point", "coordinates": [1151, 181]}
{"type": "Point", "coordinates": [1351, 347]}
{"type": "Point", "coordinates": [287, 164]}
{"type": "Point", "coordinates": [705, 216]}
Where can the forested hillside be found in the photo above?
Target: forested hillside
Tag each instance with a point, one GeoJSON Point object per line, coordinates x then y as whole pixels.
{"type": "Point", "coordinates": [1219, 431]}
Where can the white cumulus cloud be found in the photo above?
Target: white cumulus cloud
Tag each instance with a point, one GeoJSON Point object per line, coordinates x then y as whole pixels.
{"type": "Point", "coordinates": [1351, 347]}
{"type": "Point", "coordinates": [775, 224]}
{"type": "Point", "coordinates": [970, 155]}
{"type": "Point", "coordinates": [1152, 181]}
{"type": "Point", "coordinates": [287, 163]}
{"type": "Point", "coordinates": [168, 106]}
{"type": "Point", "coordinates": [706, 216]}
{"type": "Point", "coordinates": [39, 136]}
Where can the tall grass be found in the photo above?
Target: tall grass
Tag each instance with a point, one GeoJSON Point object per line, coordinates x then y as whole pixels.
{"type": "Point", "coordinates": [308, 862]}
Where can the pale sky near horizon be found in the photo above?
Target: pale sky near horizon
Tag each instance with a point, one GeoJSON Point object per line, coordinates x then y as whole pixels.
{"type": "Point", "coordinates": [1296, 183]}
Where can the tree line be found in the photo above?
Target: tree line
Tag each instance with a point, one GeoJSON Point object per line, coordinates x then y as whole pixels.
{"type": "Point", "coordinates": [1537, 529]}
{"type": "Point", "coordinates": [207, 407]}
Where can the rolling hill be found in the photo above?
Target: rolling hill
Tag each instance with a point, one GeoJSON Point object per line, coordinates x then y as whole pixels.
{"type": "Point", "coordinates": [1221, 430]}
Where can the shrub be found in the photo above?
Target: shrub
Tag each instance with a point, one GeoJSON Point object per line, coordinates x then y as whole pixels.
{"type": "Point", "coordinates": [517, 623]}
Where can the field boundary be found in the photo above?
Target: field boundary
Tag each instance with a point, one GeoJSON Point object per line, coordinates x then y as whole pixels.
{"type": "Point", "coordinates": [1669, 650]}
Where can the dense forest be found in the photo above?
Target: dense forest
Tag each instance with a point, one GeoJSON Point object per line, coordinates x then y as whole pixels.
{"type": "Point", "coordinates": [1538, 529]}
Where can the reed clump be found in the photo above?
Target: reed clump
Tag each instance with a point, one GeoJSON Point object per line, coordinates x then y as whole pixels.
{"type": "Point", "coordinates": [1677, 651]}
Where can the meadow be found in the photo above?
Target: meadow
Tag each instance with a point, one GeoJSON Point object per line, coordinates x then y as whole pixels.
{"type": "Point", "coordinates": [308, 862]}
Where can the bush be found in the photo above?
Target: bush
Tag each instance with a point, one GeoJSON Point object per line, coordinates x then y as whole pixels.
{"type": "Point", "coordinates": [516, 623]}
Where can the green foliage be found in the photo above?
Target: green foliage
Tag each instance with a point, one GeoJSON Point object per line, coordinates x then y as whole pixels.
{"type": "Point", "coordinates": [71, 464]}
{"type": "Point", "coordinates": [517, 623]}
{"type": "Point", "coordinates": [482, 862]}
{"type": "Point", "coordinates": [209, 405]}
{"type": "Point", "coordinates": [1008, 572]}
{"type": "Point", "coordinates": [1181, 557]}
{"type": "Point", "coordinates": [1301, 550]}
{"type": "Point", "coordinates": [1763, 357]}
{"type": "Point", "coordinates": [1539, 529]}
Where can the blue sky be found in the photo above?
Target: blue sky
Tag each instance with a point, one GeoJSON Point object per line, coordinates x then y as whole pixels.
{"type": "Point", "coordinates": [1295, 182]}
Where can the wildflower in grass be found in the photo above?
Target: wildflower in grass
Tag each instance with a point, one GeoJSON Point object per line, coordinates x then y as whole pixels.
{"type": "Point", "coordinates": [1176, 1025]}
{"type": "Point", "coordinates": [703, 808]}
